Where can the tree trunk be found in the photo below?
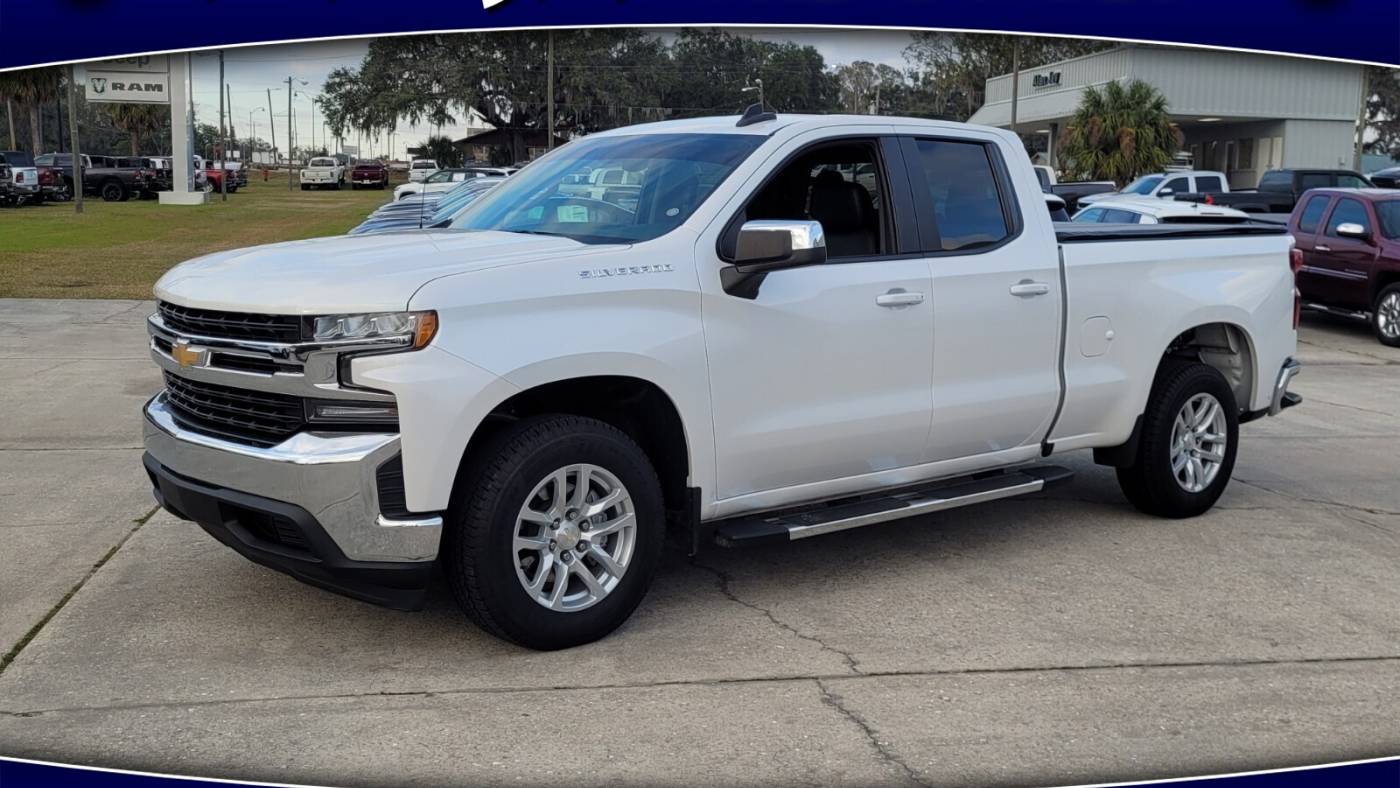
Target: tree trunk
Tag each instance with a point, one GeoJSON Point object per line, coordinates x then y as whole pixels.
{"type": "Point", "coordinates": [10, 115]}
{"type": "Point", "coordinates": [34, 141]}
{"type": "Point", "coordinates": [135, 144]}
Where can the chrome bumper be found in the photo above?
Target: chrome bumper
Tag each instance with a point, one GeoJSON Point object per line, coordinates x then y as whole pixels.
{"type": "Point", "coordinates": [1282, 398]}
{"type": "Point", "coordinates": [331, 476]}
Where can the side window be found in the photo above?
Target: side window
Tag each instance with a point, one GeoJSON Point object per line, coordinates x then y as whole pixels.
{"type": "Point", "coordinates": [1313, 180]}
{"type": "Point", "coordinates": [1275, 181]}
{"type": "Point", "coordinates": [1177, 185]}
{"type": "Point", "coordinates": [963, 193]}
{"type": "Point", "coordinates": [1090, 215]}
{"type": "Point", "coordinates": [837, 184]}
{"type": "Point", "coordinates": [1351, 182]}
{"type": "Point", "coordinates": [1118, 216]}
{"type": "Point", "coordinates": [1208, 183]}
{"type": "Point", "coordinates": [1312, 213]}
{"type": "Point", "coordinates": [1347, 210]}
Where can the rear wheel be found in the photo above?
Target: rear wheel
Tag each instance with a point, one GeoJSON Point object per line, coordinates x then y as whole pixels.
{"type": "Point", "coordinates": [113, 191]}
{"type": "Point", "coordinates": [1186, 450]}
{"type": "Point", "coordinates": [557, 537]}
{"type": "Point", "coordinates": [1385, 317]}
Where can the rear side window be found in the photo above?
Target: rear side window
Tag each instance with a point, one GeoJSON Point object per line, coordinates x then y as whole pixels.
{"type": "Point", "coordinates": [1347, 211]}
{"type": "Point", "coordinates": [1275, 181]}
{"type": "Point", "coordinates": [1312, 213]}
{"type": "Point", "coordinates": [963, 193]}
{"type": "Point", "coordinates": [1351, 182]}
{"type": "Point", "coordinates": [1090, 215]}
{"type": "Point", "coordinates": [1209, 183]}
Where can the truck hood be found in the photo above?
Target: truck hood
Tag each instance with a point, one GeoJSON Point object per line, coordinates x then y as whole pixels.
{"type": "Point", "coordinates": [362, 273]}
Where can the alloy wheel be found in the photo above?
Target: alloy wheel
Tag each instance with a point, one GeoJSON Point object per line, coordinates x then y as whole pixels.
{"type": "Point", "coordinates": [1199, 438]}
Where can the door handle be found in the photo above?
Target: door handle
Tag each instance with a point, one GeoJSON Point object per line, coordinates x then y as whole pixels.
{"type": "Point", "coordinates": [1321, 248]}
{"type": "Point", "coordinates": [1028, 289]}
{"type": "Point", "coordinates": [899, 297]}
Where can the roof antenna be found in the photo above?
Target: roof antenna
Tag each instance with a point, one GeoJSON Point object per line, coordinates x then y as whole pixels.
{"type": "Point", "coordinates": [755, 114]}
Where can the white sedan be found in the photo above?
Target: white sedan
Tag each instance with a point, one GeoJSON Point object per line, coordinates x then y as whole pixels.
{"type": "Point", "coordinates": [1152, 210]}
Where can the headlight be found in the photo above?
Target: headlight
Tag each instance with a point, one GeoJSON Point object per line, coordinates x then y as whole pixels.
{"type": "Point", "coordinates": [417, 328]}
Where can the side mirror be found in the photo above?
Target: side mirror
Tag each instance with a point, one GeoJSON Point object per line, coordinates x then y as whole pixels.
{"type": "Point", "coordinates": [1166, 192]}
{"type": "Point", "coordinates": [766, 245]}
{"type": "Point", "coordinates": [1353, 230]}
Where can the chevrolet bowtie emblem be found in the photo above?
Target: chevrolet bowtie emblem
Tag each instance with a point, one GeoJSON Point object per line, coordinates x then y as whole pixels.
{"type": "Point", "coordinates": [187, 356]}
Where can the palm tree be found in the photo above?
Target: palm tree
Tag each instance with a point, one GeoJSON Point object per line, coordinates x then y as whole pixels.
{"type": "Point", "coordinates": [31, 87]}
{"type": "Point", "coordinates": [137, 120]}
{"type": "Point", "coordinates": [1120, 132]}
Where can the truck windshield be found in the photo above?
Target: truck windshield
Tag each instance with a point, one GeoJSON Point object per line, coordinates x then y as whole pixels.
{"type": "Point", "coordinates": [1388, 216]}
{"type": "Point", "coordinates": [322, 163]}
{"type": "Point", "coordinates": [650, 184]}
{"type": "Point", "coordinates": [1143, 185]}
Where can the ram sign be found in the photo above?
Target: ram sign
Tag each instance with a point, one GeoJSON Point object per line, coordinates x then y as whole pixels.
{"type": "Point", "coordinates": [128, 87]}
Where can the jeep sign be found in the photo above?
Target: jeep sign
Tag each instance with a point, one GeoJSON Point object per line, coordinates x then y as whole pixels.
{"type": "Point", "coordinates": [127, 87]}
{"type": "Point", "coordinates": [147, 64]}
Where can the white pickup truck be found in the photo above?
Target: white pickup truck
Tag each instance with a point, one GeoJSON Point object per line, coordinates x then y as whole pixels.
{"type": "Point", "coordinates": [322, 171]}
{"type": "Point", "coordinates": [760, 347]}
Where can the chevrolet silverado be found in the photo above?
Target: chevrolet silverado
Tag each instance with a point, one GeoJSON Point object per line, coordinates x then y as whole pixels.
{"type": "Point", "coordinates": [755, 346]}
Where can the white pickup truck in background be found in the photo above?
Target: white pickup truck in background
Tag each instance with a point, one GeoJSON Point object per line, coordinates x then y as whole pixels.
{"type": "Point", "coordinates": [795, 325]}
{"type": "Point", "coordinates": [323, 171]}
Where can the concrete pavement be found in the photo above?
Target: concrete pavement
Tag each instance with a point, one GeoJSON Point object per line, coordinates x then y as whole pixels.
{"type": "Point", "coordinates": [1061, 638]}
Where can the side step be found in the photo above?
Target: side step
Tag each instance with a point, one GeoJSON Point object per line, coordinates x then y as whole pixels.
{"type": "Point", "coordinates": [846, 513]}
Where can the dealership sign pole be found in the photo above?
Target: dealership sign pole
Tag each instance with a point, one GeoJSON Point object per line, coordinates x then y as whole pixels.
{"type": "Point", "coordinates": [73, 133]}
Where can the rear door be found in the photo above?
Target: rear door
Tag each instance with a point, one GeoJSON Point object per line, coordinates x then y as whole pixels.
{"type": "Point", "coordinates": [1345, 262]}
{"type": "Point", "coordinates": [996, 300]}
{"type": "Point", "coordinates": [1313, 281]}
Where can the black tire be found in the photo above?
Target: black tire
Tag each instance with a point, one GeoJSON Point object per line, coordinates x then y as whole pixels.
{"type": "Point", "coordinates": [306, 187]}
{"type": "Point", "coordinates": [113, 191]}
{"type": "Point", "coordinates": [383, 185]}
{"type": "Point", "coordinates": [478, 555]}
{"type": "Point", "coordinates": [1387, 324]}
{"type": "Point", "coordinates": [1149, 483]}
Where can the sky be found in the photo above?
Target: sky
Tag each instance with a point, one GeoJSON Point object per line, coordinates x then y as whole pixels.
{"type": "Point", "coordinates": [251, 71]}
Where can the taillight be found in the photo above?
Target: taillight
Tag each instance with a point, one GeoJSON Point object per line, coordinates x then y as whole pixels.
{"type": "Point", "coordinates": [1210, 200]}
{"type": "Point", "coordinates": [1295, 261]}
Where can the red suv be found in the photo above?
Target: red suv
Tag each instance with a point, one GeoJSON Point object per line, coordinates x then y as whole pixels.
{"type": "Point", "coordinates": [1348, 255]}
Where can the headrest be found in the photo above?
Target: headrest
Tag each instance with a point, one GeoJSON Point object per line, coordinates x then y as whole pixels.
{"type": "Point", "coordinates": [841, 206]}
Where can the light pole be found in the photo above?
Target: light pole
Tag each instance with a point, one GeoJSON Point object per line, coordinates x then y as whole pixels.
{"type": "Point", "coordinates": [757, 87]}
{"type": "Point", "coordinates": [252, 132]}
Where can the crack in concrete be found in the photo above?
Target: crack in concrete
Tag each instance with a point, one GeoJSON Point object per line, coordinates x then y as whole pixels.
{"type": "Point", "coordinates": [1319, 501]}
{"type": "Point", "coordinates": [1312, 398]}
{"type": "Point", "coordinates": [717, 682]}
{"type": "Point", "coordinates": [9, 658]}
{"type": "Point", "coordinates": [882, 749]}
{"type": "Point", "coordinates": [725, 583]}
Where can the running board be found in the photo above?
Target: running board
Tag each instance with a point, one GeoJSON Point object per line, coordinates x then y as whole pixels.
{"type": "Point", "coordinates": [847, 513]}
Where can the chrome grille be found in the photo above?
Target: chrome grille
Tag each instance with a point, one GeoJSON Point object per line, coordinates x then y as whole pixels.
{"type": "Point", "coordinates": [230, 325]}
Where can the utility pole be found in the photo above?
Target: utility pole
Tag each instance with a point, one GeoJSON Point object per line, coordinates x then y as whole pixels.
{"type": "Point", "coordinates": [313, 126]}
{"type": "Point", "coordinates": [10, 114]}
{"type": "Point", "coordinates": [291, 141]}
{"type": "Point", "coordinates": [232, 135]}
{"type": "Point", "coordinates": [59, 100]}
{"type": "Point", "coordinates": [73, 131]}
{"type": "Point", "coordinates": [1361, 118]}
{"type": "Point", "coordinates": [549, 144]}
{"type": "Point", "coordinates": [1015, 78]}
{"type": "Point", "coordinates": [272, 125]}
{"type": "Point", "coordinates": [223, 137]}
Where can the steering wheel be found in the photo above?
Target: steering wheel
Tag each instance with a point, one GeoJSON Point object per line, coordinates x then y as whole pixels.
{"type": "Point", "coordinates": [612, 214]}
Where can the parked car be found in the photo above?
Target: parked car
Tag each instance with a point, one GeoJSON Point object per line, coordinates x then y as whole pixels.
{"type": "Point", "coordinates": [439, 181]}
{"type": "Point", "coordinates": [1348, 255]}
{"type": "Point", "coordinates": [1152, 210]}
{"type": "Point", "coordinates": [1072, 192]}
{"type": "Point", "coordinates": [322, 171]}
{"type": "Point", "coordinates": [7, 194]}
{"type": "Point", "coordinates": [215, 174]}
{"type": "Point", "coordinates": [528, 397]}
{"type": "Point", "coordinates": [24, 177]}
{"type": "Point", "coordinates": [117, 179]}
{"type": "Point", "coordinates": [369, 173]}
{"type": "Point", "coordinates": [1278, 190]}
{"type": "Point", "coordinates": [1161, 185]}
{"type": "Point", "coordinates": [430, 215]}
{"type": "Point", "coordinates": [420, 169]}
{"type": "Point", "coordinates": [1388, 178]}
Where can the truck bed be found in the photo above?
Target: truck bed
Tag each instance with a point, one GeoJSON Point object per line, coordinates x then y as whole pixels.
{"type": "Point", "coordinates": [1084, 232]}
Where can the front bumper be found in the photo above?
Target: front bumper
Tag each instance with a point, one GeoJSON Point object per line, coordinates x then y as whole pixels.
{"type": "Point", "coordinates": [308, 506]}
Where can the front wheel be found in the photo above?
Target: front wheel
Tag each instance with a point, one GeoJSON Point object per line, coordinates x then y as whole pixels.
{"type": "Point", "coordinates": [113, 191]}
{"type": "Point", "coordinates": [1385, 318]}
{"type": "Point", "coordinates": [557, 534]}
{"type": "Point", "coordinates": [1186, 449]}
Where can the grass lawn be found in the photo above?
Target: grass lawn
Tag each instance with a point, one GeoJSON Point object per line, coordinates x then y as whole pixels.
{"type": "Point", "coordinates": [120, 249]}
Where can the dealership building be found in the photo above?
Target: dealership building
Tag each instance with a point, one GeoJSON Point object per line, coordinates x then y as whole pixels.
{"type": "Point", "coordinates": [1240, 113]}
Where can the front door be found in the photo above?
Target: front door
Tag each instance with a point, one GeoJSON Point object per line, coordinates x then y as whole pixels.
{"type": "Point", "coordinates": [825, 372]}
{"type": "Point", "coordinates": [996, 301]}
